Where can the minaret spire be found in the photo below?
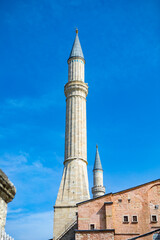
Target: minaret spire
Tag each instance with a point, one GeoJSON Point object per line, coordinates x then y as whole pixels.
{"type": "Point", "coordinates": [97, 163]}
{"type": "Point", "coordinates": [74, 184]}
{"type": "Point", "coordinates": [76, 48]}
{"type": "Point", "coordinates": [98, 189]}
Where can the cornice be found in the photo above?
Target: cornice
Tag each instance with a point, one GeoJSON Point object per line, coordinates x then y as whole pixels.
{"type": "Point", "coordinates": [7, 189]}
{"type": "Point", "coordinates": [75, 85]}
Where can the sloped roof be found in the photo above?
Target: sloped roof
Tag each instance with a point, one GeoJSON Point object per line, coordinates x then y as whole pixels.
{"type": "Point", "coordinates": [119, 192]}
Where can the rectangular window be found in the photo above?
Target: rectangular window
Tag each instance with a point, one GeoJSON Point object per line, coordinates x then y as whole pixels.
{"type": "Point", "coordinates": [134, 219]}
{"type": "Point", "coordinates": [125, 219]}
{"type": "Point", "coordinates": [153, 218]}
{"type": "Point", "coordinates": [92, 226]}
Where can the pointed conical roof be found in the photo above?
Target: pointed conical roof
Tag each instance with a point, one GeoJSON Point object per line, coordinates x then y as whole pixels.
{"type": "Point", "coordinates": [97, 163]}
{"type": "Point", "coordinates": [76, 48]}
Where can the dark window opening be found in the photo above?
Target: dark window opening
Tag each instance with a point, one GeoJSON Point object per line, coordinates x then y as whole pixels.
{"type": "Point", "coordinates": [153, 218]}
{"type": "Point", "coordinates": [134, 219]}
{"type": "Point", "coordinates": [92, 226]}
{"type": "Point", "coordinates": [125, 219]}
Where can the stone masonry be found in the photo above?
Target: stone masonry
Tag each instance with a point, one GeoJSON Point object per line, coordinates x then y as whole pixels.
{"type": "Point", "coordinates": [74, 184]}
{"type": "Point", "coordinates": [7, 193]}
{"type": "Point", "coordinates": [97, 235]}
{"type": "Point", "coordinates": [126, 214]}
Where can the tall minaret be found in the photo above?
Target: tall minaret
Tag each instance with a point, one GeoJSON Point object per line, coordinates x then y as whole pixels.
{"type": "Point", "coordinates": [74, 184]}
{"type": "Point", "coordinates": [98, 189]}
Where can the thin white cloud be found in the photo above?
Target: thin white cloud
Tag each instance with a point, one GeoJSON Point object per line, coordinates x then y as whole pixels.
{"type": "Point", "coordinates": [36, 189]}
{"type": "Point", "coordinates": [43, 102]}
{"type": "Point", "coordinates": [38, 226]}
{"type": "Point", "coordinates": [13, 211]}
{"type": "Point", "coordinates": [21, 163]}
{"type": "Point", "coordinates": [31, 178]}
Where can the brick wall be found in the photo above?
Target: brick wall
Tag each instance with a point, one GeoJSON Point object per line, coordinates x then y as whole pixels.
{"type": "Point", "coordinates": [108, 211]}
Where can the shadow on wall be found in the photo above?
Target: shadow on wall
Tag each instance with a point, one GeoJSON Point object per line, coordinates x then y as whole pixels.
{"type": "Point", "coordinates": [102, 219]}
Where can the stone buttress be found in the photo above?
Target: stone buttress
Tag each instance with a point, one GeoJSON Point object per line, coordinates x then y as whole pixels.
{"type": "Point", "coordinates": [74, 184]}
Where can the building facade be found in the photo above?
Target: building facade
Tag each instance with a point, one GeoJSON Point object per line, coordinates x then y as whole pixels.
{"type": "Point", "coordinates": [122, 215]}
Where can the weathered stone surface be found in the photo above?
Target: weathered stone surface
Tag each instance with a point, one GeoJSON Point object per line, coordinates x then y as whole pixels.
{"type": "Point", "coordinates": [7, 189]}
{"type": "Point", "coordinates": [3, 213]}
{"type": "Point", "coordinates": [7, 193]}
{"type": "Point", "coordinates": [64, 217]}
{"type": "Point", "coordinates": [92, 235]}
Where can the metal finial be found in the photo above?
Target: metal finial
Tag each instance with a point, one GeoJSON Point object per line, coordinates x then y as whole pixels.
{"type": "Point", "coordinates": [97, 146]}
{"type": "Point", "coordinates": [76, 30]}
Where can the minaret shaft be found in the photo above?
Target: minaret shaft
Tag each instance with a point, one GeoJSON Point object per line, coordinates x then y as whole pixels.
{"type": "Point", "coordinates": [76, 69]}
{"type": "Point", "coordinates": [75, 133]}
{"type": "Point", "coordinates": [74, 184]}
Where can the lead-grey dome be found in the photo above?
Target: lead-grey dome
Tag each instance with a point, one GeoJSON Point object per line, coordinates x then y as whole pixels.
{"type": "Point", "coordinates": [76, 48]}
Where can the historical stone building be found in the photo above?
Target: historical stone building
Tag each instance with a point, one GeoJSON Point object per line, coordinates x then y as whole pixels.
{"type": "Point", "coordinates": [114, 216]}
{"type": "Point", "coordinates": [122, 215]}
{"type": "Point", "coordinates": [7, 193]}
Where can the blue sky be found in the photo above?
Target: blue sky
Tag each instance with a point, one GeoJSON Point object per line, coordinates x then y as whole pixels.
{"type": "Point", "coordinates": [121, 44]}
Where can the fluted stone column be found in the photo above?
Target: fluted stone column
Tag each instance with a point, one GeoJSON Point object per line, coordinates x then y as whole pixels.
{"type": "Point", "coordinates": [74, 184]}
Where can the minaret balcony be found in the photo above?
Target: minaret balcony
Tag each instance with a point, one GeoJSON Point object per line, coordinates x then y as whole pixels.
{"type": "Point", "coordinates": [76, 88]}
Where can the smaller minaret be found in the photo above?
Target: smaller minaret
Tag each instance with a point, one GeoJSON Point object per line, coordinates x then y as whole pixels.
{"type": "Point", "coordinates": [98, 189]}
